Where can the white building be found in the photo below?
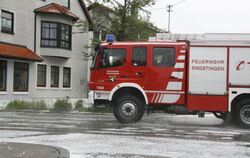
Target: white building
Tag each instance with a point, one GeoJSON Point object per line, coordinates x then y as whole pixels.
{"type": "Point", "coordinates": [41, 50]}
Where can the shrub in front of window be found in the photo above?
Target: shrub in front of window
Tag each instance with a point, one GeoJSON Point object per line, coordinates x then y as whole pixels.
{"type": "Point", "coordinates": [79, 105]}
{"type": "Point", "coordinates": [62, 105]}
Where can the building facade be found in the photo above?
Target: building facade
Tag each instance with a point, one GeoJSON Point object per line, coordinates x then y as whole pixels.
{"type": "Point", "coordinates": [41, 50]}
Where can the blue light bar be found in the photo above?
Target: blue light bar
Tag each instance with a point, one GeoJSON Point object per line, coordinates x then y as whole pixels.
{"type": "Point", "coordinates": [110, 38]}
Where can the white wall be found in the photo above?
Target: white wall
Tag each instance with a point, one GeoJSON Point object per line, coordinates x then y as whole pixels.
{"type": "Point", "coordinates": [24, 21]}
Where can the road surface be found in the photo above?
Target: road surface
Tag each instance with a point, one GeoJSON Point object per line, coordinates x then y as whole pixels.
{"type": "Point", "coordinates": [158, 135]}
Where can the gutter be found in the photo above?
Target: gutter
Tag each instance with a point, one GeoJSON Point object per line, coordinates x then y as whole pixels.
{"type": "Point", "coordinates": [35, 19]}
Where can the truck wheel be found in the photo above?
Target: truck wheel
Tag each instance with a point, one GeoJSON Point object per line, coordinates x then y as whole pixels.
{"type": "Point", "coordinates": [128, 109]}
{"type": "Point", "coordinates": [243, 113]}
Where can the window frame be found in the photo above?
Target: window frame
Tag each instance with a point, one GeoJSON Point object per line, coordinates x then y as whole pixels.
{"type": "Point", "coordinates": [22, 90]}
{"type": "Point", "coordinates": [5, 78]}
{"type": "Point", "coordinates": [144, 47]}
{"type": "Point", "coordinates": [58, 80]}
{"type": "Point", "coordinates": [58, 35]}
{"type": "Point", "coordinates": [67, 86]}
{"type": "Point", "coordinates": [12, 22]}
{"type": "Point", "coordinates": [100, 66]}
{"type": "Point", "coordinates": [45, 76]}
{"type": "Point", "coordinates": [153, 57]}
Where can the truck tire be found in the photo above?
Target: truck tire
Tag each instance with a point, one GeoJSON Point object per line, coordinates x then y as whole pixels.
{"type": "Point", "coordinates": [128, 109]}
{"type": "Point", "coordinates": [243, 113]}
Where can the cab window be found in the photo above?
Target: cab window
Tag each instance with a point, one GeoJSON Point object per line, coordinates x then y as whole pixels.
{"type": "Point", "coordinates": [164, 57]}
{"type": "Point", "coordinates": [112, 57]}
{"type": "Point", "coordinates": [139, 57]}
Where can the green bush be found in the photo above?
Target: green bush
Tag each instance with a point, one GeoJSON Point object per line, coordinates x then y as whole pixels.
{"type": "Point", "coordinates": [62, 105]}
{"type": "Point", "coordinates": [79, 105]}
{"type": "Point", "coordinates": [39, 105]}
{"type": "Point", "coordinates": [25, 105]}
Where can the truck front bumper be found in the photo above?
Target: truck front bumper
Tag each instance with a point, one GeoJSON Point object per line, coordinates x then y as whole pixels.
{"type": "Point", "coordinates": [91, 97]}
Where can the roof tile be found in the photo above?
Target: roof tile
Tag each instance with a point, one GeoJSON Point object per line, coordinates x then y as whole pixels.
{"type": "Point", "coordinates": [56, 9]}
{"type": "Point", "coordinates": [18, 52]}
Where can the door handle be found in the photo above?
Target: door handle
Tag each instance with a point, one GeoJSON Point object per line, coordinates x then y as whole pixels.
{"type": "Point", "coordinates": [139, 74]}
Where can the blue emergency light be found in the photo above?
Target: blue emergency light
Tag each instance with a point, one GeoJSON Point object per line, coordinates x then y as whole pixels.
{"type": "Point", "coordinates": [110, 38]}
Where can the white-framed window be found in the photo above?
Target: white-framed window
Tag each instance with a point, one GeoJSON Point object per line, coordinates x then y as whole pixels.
{"type": "Point", "coordinates": [3, 75]}
{"type": "Point", "coordinates": [21, 77]}
{"type": "Point", "coordinates": [7, 22]}
{"type": "Point", "coordinates": [55, 35]}
{"type": "Point", "coordinates": [41, 75]}
{"type": "Point", "coordinates": [66, 77]}
{"type": "Point", "coordinates": [54, 76]}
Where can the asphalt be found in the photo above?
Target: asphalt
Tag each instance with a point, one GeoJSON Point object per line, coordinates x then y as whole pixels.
{"type": "Point", "coordinates": [23, 150]}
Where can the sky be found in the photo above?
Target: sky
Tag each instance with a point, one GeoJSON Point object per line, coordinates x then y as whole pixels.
{"type": "Point", "coordinates": [203, 16]}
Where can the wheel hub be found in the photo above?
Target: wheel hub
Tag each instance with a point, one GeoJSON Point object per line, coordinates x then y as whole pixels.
{"type": "Point", "coordinates": [128, 109]}
{"type": "Point", "coordinates": [245, 114]}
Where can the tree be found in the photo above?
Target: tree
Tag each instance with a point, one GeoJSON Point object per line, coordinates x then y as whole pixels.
{"type": "Point", "coordinates": [130, 20]}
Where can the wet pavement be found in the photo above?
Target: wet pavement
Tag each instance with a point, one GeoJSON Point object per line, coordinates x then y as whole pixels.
{"type": "Point", "coordinates": [100, 135]}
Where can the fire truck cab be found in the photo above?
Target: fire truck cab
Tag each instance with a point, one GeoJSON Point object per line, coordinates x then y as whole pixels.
{"type": "Point", "coordinates": [172, 76]}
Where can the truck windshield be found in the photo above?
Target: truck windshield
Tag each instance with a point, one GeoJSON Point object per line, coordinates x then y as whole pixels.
{"type": "Point", "coordinates": [112, 57]}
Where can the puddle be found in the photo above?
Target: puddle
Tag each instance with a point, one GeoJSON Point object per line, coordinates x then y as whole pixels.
{"type": "Point", "coordinates": [242, 137]}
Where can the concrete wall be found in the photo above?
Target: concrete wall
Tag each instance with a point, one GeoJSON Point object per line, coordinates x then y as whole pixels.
{"type": "Point", "coordinates": [24, 22]}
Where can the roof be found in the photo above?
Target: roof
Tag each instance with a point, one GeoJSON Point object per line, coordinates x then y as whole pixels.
{"type": "Point", "coordinates": [56, 9]}
{"type": "Point", "coordinates": [98, 5]}
{"type": "Point", "coordinates": [14, 51]}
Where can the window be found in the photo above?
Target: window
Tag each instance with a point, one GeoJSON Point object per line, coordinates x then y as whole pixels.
{"type": "Point", "coordinates": [54, 82]}
{"type": "Point", "coordinates": [21, 75]}
{"type": "Point", "coordinates": [66, 77]}
{"type": "Point", "coordinates": [49, 34]}
{"type": "Point", "coordinates": [56, 35]}
{"type": "Point", "coordinates": [41, 75]}
{"type": "Point", "coordinates": [113, 58]}
{"type": "Point", "coordinates": [65, 36]}
{"type": "Point", "coordinates": [3, 73]}
{"type": "Point", "coordinates": [164, 57]}
{"type": "Point", "coordinates": [139, 57]}
{"type": "Point", "coordinates": [7, 22]}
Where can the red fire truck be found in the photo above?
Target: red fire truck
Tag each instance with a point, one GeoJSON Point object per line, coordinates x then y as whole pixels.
{"type": "Point", "coordinates": [172, 76]}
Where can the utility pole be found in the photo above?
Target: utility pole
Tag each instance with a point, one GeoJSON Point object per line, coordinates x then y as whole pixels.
{"type": "Point", "coordinates": [169, 10]}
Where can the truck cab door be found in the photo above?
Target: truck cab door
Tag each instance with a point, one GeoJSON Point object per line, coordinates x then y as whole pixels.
{"type": "Point", "coordinates": [138, 65]}
{"type": "Point", "coordinates": [167, 75]}
{"type": "Point", "coordinates": [111, 68]}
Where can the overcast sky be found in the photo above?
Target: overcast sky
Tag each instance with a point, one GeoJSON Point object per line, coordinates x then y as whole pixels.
{"type": "Point", "coordinates": [204, 16]}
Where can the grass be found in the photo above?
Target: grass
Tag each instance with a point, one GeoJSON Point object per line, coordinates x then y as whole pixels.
{"type": "Point", "coordinates": [25, 105]}
{"type": "Point", "coordinates": [61, 105]}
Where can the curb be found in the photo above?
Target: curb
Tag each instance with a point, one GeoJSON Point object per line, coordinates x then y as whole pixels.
{"type": "Point", "coordinates": [26, 150]}
{"type": "Point", "coordinates": [63, 153]}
